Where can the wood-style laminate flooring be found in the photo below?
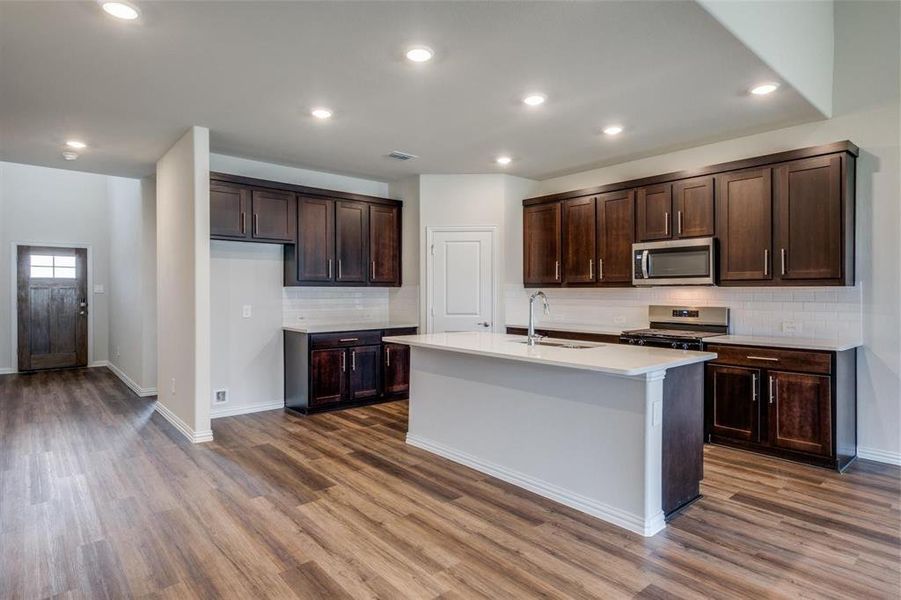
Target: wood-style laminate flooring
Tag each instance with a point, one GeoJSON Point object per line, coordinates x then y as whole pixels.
{"type": "Point", "coordinates": [101, 498]}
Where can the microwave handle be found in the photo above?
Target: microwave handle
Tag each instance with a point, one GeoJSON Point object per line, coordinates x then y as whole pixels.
{"type": "Point", "coordinates": [644, 263]}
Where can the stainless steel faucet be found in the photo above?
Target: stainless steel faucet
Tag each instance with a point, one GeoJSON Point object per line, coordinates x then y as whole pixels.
{"type": "Point", "coordinates": [531, 338]}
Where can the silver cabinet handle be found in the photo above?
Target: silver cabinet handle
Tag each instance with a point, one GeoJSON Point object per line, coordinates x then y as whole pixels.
{"type": "Point", "coordinates": [353, 360]}
{"type": "Point", "coordinates": [243, 222]}
{"type": "Point", "coordinates": [600, 269]}
{"type": "Point", "coordinates": [679, 215]}
{"type": "Point", "coordinates": [388, 357]}
{"type": "Point", "coordinates": [556, 270]}
{"type": "Point", "coordinates": [349, 339]}
{"type": "Point", "coordinates": [373, 271]}
{"type": "Point", "coordinates": [666, 222]}
{"type": "Point", "coordinates": [772, 379]}
{"type": "Point", "coordinates": [344, 362]}
{"type": "Point", "coordinates": [751, 357]}
{"type": "Point", "coordinates": [329, 268]}
{"type": "Point", "coordinates": [766, 261]}
{"type": "Point", "coordinates": [339, 268]}
{"type": "Point", "coordinates": [753, 387]}
{"type": "Point", "coordinates": [256, 224]}
{"type": "Point", "coordinates": [590, 268]}
{"type": "Point", "coordinates": [783, 261]}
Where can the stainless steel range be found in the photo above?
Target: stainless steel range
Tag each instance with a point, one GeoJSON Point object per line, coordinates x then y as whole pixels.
{"type": "Point", "coordinates": [680, 327]}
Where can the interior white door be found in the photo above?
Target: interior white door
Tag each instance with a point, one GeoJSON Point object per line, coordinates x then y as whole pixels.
{"type": "Point", "coordinates": [462, 281]}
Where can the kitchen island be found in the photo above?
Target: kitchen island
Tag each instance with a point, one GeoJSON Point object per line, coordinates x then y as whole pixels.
{"type": "Point", "coordinates": [613, 431]}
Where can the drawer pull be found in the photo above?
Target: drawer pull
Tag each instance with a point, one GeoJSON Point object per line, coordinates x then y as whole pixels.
{"type": "Point", "coordinates": [353, 360]}
{"type": "Point", "coordinates": [753, 387]}
{"type": "Point", "coordinates": [354, 340]}
{"type": "Point", "coordinates": [772, 394]}
{"type": "Point", "coordinates": [388, 356]}
{"type": "Point", "coordinates": [762, 358]}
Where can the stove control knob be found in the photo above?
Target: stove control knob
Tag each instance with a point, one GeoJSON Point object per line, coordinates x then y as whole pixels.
{"type": "Point", "coordinates": [675, 345]}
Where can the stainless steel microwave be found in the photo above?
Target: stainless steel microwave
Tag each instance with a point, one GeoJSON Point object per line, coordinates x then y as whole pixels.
{"type": "Point", "coordinates": [674, 262]}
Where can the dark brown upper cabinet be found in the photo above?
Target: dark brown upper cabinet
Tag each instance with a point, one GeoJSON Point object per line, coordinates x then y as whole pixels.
{"type": "Point", "coordinates": [744, 206]}
{"type": "Point", "coordinates": [654, 211]}
{"type": "Point", "coordinates": [352, 241]}
{"type": "Point", "coordinates": [579, 240]}
{"type": "Point", "coordinates": [384, 244]}
{"type": "Point", "coordinates": [810, 219]}
{"type": "Point", "coordinates": [542, 233]}
{"type": "Point", "coordinates": [693, 208]}
{"type": "Point", "coordinates": [315, 251]}
{"type": "Point", "coordinates": [273, 216]}
{"type": "Point", "coordinates": [229, 206]}
{"type": "Point", "coordinates": [615, 227]}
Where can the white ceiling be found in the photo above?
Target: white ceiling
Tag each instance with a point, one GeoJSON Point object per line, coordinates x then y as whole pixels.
{"type": "Point", "coordinates": [251, 71]}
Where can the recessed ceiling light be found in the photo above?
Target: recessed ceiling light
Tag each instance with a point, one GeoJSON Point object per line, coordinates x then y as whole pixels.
{"type": "Point", "coordinates": [121, 10]}
{"type": "Point", "coordinates": [613, 129]}
{"type": "Point", "coordinates": [321, 113]}
{"type": "Point", "coordinates": [420, 54]}
{"type": "Point", "coordinates": [76, 144]}
{"type": "Point", "coordinates": [764, 88]}
{"type": "Point", "coordinates": [534, 99]}
{"type": "Point", "coordinates": [70, 155]}
{"type": "Point", "coordinates": [504, 160]}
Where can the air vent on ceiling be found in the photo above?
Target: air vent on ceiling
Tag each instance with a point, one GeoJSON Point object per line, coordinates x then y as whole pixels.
{"type": "Point", "coordinates": [397, 154]}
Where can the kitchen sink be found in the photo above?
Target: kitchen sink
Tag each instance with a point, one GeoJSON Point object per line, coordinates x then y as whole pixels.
{"type": "Point", "coordinates": [564, 344]}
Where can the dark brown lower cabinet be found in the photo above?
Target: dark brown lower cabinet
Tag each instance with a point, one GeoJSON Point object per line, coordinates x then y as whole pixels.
{"type": "Point", "coordinates": [327, 371]}
{"type": "Point", "coordinates": [795, 404]}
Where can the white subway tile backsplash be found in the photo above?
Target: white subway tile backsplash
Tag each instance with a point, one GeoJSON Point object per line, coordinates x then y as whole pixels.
{"type": "Point", "coordinates": [818, 312]}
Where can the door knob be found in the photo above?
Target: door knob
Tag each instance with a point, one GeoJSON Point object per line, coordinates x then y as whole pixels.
{"type": "Point", "coordinates": [484, 324]}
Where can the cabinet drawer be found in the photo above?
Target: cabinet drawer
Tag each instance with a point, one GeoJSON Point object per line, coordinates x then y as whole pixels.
{"type": "Point", "coordinates": [773, 358]}
{"type": "Point", "coordinates": [345, 339]}
{"type": "Point", "coordinates": [401, 331]}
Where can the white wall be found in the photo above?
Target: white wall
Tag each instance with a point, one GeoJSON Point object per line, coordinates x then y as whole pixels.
{"type": "Point", "coordinates": [183, 284]}
{"type": "Point", "coordinates": [795, 38]}
{"type": "Point", "coordinates": [459, 200]}
{"type": "Point", "coordinates": [247, 353]}
{"type": "Point", "coordinates": [403, 302]}
{"type": "Point", "coordinates": [132, 285]}
{"type": "Point", "coordinates": [39, 205]}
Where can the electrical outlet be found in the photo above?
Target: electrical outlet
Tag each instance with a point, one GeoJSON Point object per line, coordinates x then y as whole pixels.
{"type": "Point", "coordinates": [172, 387]}
{"type": "Point", "coordinates": [791, 327]}
{"type": "Point", "coordinates": [619, 320]}
{"type": "Point", "coordinates": [220, 396]}
{"type": "Point", "coordinates": [118, 351]}
{"type": "Point", "coordinates": [246, 311]}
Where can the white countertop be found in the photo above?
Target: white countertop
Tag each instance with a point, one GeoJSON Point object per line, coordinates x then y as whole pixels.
{"type": "Point", "coordinates": [784, 342]}
{"type": "Point", "coordinates": [340, 327]}
{"type": "Point", "coordinates": [581, 327]}
{"type": "Point", "coordinates": [606, 358]}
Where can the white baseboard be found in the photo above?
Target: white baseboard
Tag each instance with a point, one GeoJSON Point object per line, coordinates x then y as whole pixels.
{"type": "Point", "coordinates": [216, 413]}
{"type": "Point", "coordinates": [195, 437]}
{"type": "Point", "coordinates": [7, 371]}
{"type": "Point", "coordinates": [98, 363]}
{"type": "Point", "coordinates": [883, 456]}
{"type": "Point", "coordinates": [140, 391]}
{"type": "Point", "coordinates": [610, 514]}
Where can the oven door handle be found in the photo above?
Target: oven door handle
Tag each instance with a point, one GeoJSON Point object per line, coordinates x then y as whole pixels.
{"type": "Point", "coordinates": [644, 263]}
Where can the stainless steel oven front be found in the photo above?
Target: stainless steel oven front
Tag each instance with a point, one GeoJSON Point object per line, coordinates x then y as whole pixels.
{"type": "Point", "coordinates": [674, 262]}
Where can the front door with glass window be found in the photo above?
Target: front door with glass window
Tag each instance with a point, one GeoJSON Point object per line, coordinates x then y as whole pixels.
{"type": "Point", "coordinates": [52, 308]}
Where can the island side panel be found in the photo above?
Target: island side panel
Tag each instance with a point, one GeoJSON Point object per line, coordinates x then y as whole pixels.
{"type": "Point", "coordinates": [683, 436]}
{"type": "Point", "coordinates": [576, 436]}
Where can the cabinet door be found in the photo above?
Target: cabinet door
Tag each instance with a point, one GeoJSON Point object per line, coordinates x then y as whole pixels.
{"type": "Point", "coordinates": [541, 243]}
{"type": "Point", "coordinates": [655, 210]}
{"type": "Point", "coordinates": [352, 241]}
{"type": "Point", "coordinates": [693, 206]}
{"type": "Point", "coordinates": [579, 240]}
{"type": "Point", "coordinates": [800, 416]}
{"type": "Point", "coordinates": [397, 370]}
{"type": "Point", "coordinates": [616, 226]}
{"type": "Point", "coordinates": [365, 366]}
{"type": "Point", "coordinates": [384, 244]}
{"type": "Point", "coordinates": [273, 216]}
{"type": "Point", "coordinates": [733, 407]}
{"type": "Point", "coordinates": [229, 205]}
{"type": "Point", "coordinates": [744, 209]}
{"type": "Point", "coordinates": [315, 239]}
{"type": "Point", "coordinates": [328, 376]}
{"type": "Point", "coordinates": [809, 218]}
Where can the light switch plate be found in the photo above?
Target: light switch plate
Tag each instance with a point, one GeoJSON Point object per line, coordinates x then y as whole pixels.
{"type": "Point", "coordinates": [791, 327]}
{"type": "Point", "coordinates": [98, 288]}
{"type": "Point", "coordinates": [247, 311]}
